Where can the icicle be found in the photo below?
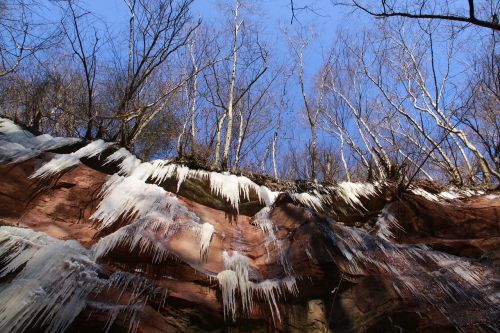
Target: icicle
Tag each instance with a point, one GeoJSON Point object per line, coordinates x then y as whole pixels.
{"type": "Point", "coordinates": [63, 162]}
{"type": "Point", "coordinates": [351, 193]}
{"type": "Point", "coordinates": [128, 161]}
{"type": "Point", "coordinates": [385, 222]}
{"type": "Point", "coordinates": [313, 201]}
{"type": "Point", "coordinates": [239, 264]}
{"type": "Point", "coordinates": [14, 152]}
{"type": "Point", "coordinates": [225, 186]}
{"type": "Point", "coordinates": [156, 215]}
{"type": "Point", "coordinates": [454, 279]}
{"type": "Point", "coordinates": [263, 221]}
{"type": "Point", "coordinates": [182, 172]}
{"type": "Point", "coordinates": [17, 145]}
{"type": "Point", "coordinates": [228, 281]}
{"type": "Point", "coordinates": [266, 196]}
{"type": "Point", "coordinates": [452, 193]}
{"type": "Point", "coordinates": [236, 278]}
{"type": "Point", "coordinates": [423, 193]}
{"type": "Point", "coordinates": [205, 233]}
{"type": "Point", "coordinates": [269, 290]}
{"type": "Point", "coordinates": [128, 197]}
{"type": "Point", "coordinates": [162, 170]}
{"type": "Point", "coordinates": [52, 284]}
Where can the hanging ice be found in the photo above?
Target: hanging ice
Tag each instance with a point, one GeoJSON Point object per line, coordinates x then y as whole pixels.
{"type": "Point", "coordinates": [155, 215]}
{"type": "Point", "coordinates": [351, 193]}
{"type": "Point", "coordinates": [235, 279]}
{"type": "Point", "coordinates": [228, 280]}
{"type": "Point", "coordinates": [451, 194]}
{"type": "Point", "coordinates": [386, 222]}
{"type": "Point", "coordinates": [17, 145]}
{"type": "Point", "coordinates": [313, 201]}
{"type": "Point", "coordinates": [263, 221]}
{"type": "Point", "coordinates": [205, 233]}
{"type": "Point", "coordinates": [11, 152]}
{"type": "Point", "coordinates": [227, 186]}
{"type": "Point", "coordinates": [449, 279]}
{"type": "Point", "coordinates": [128, 161]}
{"type": "Point", "coordinates": [129, 197]}
{"type": "Point", "coordinates": [63, 162]}
{"type": "Point", "coordinates": [52, 284]}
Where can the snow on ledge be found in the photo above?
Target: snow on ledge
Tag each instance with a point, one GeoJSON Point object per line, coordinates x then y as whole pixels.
{"type": "Point", "coordinates": [18, 145]}
{"type": "Point", "coordinates": [65, 161]}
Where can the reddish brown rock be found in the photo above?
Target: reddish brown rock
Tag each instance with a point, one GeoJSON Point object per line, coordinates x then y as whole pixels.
{"type": "Point", "coordinates": [333, 296]}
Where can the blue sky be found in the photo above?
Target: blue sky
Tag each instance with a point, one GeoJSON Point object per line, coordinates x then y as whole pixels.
{"type": "Point", "coordinates": [272, 16]}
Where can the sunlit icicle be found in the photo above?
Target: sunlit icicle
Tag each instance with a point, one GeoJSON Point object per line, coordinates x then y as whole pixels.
{"type": "Point", "coordinates": [63, 162]}
{"type": "Point", "coordinates": [11, 132]}
{"type": "Point", "coordinates": [235, 278]}
{"type": "Point", "coordinates": [205, 233]}
{"type": "Point", "coordinates": [18, 145]}
{"type": "Point", "coordinates": [313, 200]}
{"type": "Point", "coordinates": [351, 193]}
{"type": "Point", "coordinates": [51, 288]}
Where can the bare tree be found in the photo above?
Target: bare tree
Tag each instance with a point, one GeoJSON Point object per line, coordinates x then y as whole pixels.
{"type": "Point", "coordinates": [157, 30]}
{"type": "Point", "coordinates": [84, 47]}
{"type": "Point", "coordinates": [229, 83]}
{"type": "Point", "coordinates": [21, 34]}
{"type": "Point", "coordinates": [312, 106]}
{"type": "Point", "coordinates": [423, 9]}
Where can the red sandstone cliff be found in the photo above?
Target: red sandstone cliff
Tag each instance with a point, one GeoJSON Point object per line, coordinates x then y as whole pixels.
{"type": "Point", "coordinates": [84, 249]}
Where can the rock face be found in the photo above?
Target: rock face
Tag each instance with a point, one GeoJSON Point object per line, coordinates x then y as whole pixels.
{"type": "Point", "coordinates": [109, 243]}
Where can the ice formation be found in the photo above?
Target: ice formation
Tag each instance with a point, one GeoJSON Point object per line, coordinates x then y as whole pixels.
{"type": "Point", "coordinates": [228, 282]}
{"type": "Point", "coordinates": [264, 222]}
{"type": "Point", "coordinates": [272, 290]}
{"type": "Point", "coordinates": [386, 222]}
{"type": "Point", "coordinates": [45, 283]}
{"type": "Point", "coordinates": [131, 198]}
{"type": "Point", "coordinates": [352, 192]}
{"type": "Point", "coordinates": [240, 265]}
{"type": "Point", "coordinates": [225, 185]}
{"type": "Point", "coordinates": [18, 145]}
{"type": "Point", "coordinates": [205, 234]}
{"type": "Point", "coordinates": [155, 214]}
{"type": "Point", "coordinates": [66, 161]}
{"type": "Point", "coordinates": [11, 152]}
{"type": "Point", "coordinates": [314, 200]}
{"type": "Point", "coordinates": [234, 188]}
{"type": "Point", "coordinates": [52, 281]}
{"type": "Point", "coordinates": [454, 279]}
{"type": "Point", "coordinates": [451, 194]}
{"type": "Point", "coordinates": [235, 280]}
{"type": "Point", "coordinates": [128, 161]}
{"type": "Point", "coordinates": [348, 192]}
